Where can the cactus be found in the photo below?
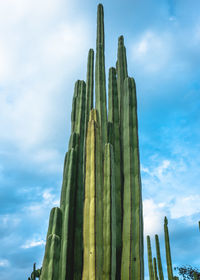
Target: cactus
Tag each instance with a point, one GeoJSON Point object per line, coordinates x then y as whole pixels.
{"type": "Point", "coordinates": [93, 214]}
{"type": "Point", "coordinates": [100, 80]}
{"type": "Point", "coordinates": [114, 139]}
{"type": "Point", "coordinates": [97, 233]}
{"type": "Point", "coordinates": [50, 267]}
{"type": "Point", "coordinates": [160, 270]}
{"type": "Point", "coordinates": [109, 215]}
{"type": "Point", "coordinates": [167, 248]}
{"type": "Point", "coordinates": [122, 73]}
{"type": "Point", "coordinates": [89, 85]}
{"type": "Point", "coordinates": [66, 254]}
{"type": "Point", "coordinates": [132, 234]}
{"type": "Point", "coordinates": [155, 274]}
{"type": "Point", "coordinates": [150, 263]}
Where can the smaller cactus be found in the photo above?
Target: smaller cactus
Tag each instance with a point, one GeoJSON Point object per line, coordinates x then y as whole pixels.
{"type": "Point", "coordinates": [155, 274]}
{"type": "Point", "coordinates": [168, 253]}
{"type": "Point", "coordinates": [160, 270]}
{"type": "Point", "coordinates": [151, 274]}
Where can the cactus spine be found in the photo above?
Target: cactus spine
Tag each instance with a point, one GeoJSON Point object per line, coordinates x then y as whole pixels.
{"type": "Point", "coordinates": [150, 263]}
{"type": "Point", "coordinates": [167, 248]}
{"type": "Point", "coordinates": [97, 233]}
{"type": "Point", "coordinates": [160, 270]}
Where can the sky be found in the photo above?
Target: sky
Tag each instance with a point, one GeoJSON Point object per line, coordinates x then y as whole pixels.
{"type": "Point", "coordinates": [43, 51]}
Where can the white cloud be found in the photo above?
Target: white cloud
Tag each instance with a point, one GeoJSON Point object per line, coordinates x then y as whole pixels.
{"type": "Point", "coordinates": [4, 263]}
{"type": "Point", "coordinates": [153, 217]}
{"type": "Point", "coordinates": [152, 51]}
{"type": "Point", "coordinates": [40, 50]}
{"type": "Point", "coordinates": [43, 206]}
{"type": "Point", "coordinates": [33, 243]}
{"type": "Point", "coordinates": [185, 206]}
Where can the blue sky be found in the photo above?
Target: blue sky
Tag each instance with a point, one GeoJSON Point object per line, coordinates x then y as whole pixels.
{"type": "Point", "coordinates": [43, 51]}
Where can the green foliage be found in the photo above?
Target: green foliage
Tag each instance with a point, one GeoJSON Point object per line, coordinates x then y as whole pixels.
{"type": "Point", "coordinates": [187, 272]}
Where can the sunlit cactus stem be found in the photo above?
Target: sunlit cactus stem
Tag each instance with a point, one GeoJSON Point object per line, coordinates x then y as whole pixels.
{"type": "Point", "coordinates": [93, 211]}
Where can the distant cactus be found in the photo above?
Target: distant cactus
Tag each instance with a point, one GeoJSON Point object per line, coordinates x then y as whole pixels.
{"type": "Point", "coordinates": [167, 249]}
{"type": "Point", "coordinates": [150, 263]}
{"type": "Point", "coordinates": [155, 274]}
{"type": "Point", "coordinates": [160, 270]}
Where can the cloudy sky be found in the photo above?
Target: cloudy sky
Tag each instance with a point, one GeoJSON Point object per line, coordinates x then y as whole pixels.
{"type": "Point", "coordinates": [43, 51]}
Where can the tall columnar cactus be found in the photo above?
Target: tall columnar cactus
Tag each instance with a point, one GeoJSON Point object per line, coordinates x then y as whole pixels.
{"type": "Point", "coordinates": [97, 233]}
{"type": "Point", "coordinates": [168, 252]}
{"type": "Point", "coordinates": [155, 274]}
{"type": "Point", "coordinates": [132, 234]}
{"type": "Point", "coordinates": [160, 270]}
{"type": "Point", "coordinates": [150, 263]}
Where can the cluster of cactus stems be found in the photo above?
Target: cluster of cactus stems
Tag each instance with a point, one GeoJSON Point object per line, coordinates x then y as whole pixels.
{"type": "Point", "coordinates": [97, 232]}
{"type": "Point", "coordinates": [155, 266]}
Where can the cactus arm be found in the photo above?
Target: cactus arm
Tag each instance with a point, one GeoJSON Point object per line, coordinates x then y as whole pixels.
{"type": "Point", "coordinates": [89, 84]}
{"type": "Point", "coordinates": [66, 259]}
{"type": "Point", "coordinates": [109, 215]}
{"type": "Point", "coordinates": [122, 71]}
{"type": "Point", "coordinates": [100, 84]}
{"type": "Point", "coordinates": [114, 139]}
{"type": "Point", "coordinates": [93, 216]}
{"type": "Point", "coordinates": [80, 168]}
{"type": "Point", "coordinates": [132, 234]}
{"type": "Point", "coordinates": [52, 248]}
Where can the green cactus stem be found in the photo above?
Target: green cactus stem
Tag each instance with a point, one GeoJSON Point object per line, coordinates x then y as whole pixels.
{"type": "Point", "coordinates": [113, 117]}
{"type": "Point", "coordinates": [93, 214]}
{"type": "Point", "coordinates": [160, 270]}
{"type": "Point", "coordinates": [89, 85]}
{"type": "Point", "coordinates": [100, 80]}
{"type": "Point", "coordinates": [132, 234]}
{"type": "Point", "coordinates": [150, 263]}
{"type": "Point", "coordinates": [50, 267]}
{"type": "Point", "coordinates": [122, 72]}
{"type": "Point", "coordinates": [109, 215]}
{"type": "Point", "coordinates": [66, 254]}
{"type": "Point", "coordinates": [78, 224]}
{"type": "Point", "coordinates": [168, 252]}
